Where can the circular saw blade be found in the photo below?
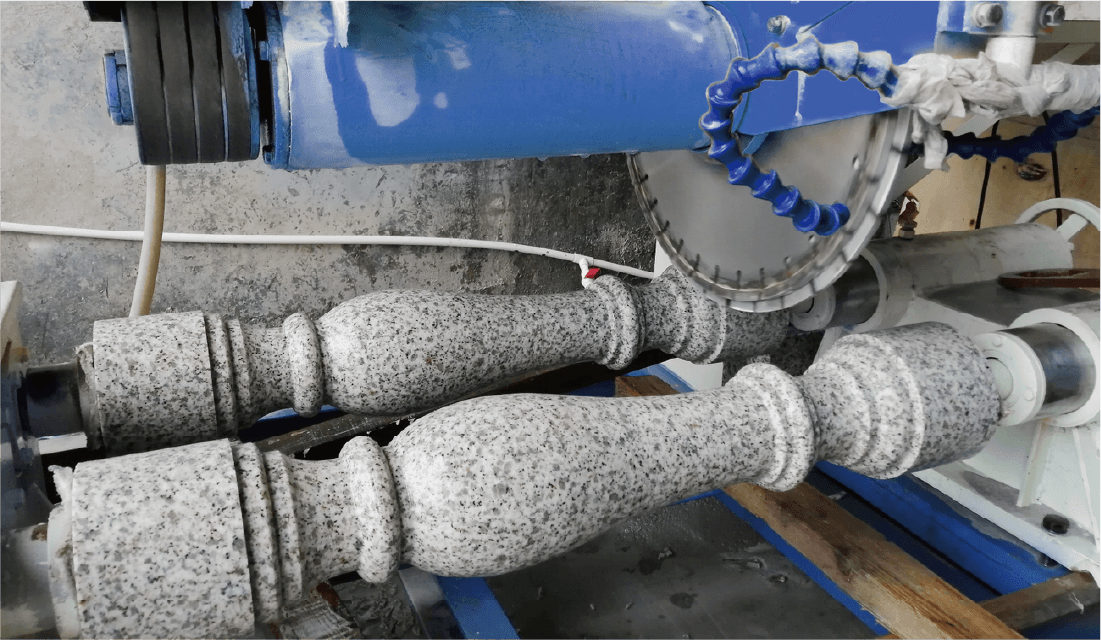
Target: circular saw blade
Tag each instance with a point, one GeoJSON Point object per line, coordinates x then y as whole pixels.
{"type": "Point", "coordinates": [734, 248]}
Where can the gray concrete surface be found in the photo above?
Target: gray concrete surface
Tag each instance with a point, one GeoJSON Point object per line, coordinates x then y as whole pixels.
{"type": "Point", "coordinates": [63, 162]}
{"type": "Point", "coordinates": [691, 570]}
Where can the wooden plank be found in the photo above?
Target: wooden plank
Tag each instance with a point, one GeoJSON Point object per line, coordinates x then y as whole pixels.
{"type": "Point", "coordinates": [1043, 602]}
{"type": "Point", "coordinates": [904, 596]}
{"type": "Point", "coordinates": [630, 386]}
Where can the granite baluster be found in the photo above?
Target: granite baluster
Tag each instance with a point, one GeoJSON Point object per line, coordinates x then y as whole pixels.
{"type": "Point", "coordinates": [386, 353]}
{"type": "Point", "coordinates": [490, 485]}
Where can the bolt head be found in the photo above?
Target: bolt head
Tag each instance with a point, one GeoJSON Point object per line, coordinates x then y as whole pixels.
{"type": "Point", "coordinates": [1052, 15]}
{"type": "Point", "coordinates": [777, 25]}
{"type": "Point", "coordinates": [988, 15]}
{"type": "Point", "coordinates": [1056, 524]}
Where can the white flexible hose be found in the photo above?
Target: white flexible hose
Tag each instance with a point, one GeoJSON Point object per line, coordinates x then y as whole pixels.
{"type": "Point", "coordinates": [418, 241]}
{"type": "Point", "coordinates": [150, 242]}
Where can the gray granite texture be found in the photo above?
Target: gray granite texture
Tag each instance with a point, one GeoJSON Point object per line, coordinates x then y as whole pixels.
{"type": "Point", "coordinates": [158, 545]}
{"type": "Point", "coordinates": [315, 521]}
{"type": "Point", "coordinates": [178, 378]}
{"type": "Point", "coordinates": [683, 323]}
{"type": "Point", "coordinates": [398, 351]}
{"type": "Point", "coordinates": [153, 382]}
{"type": "Point", "coordinates": [375, 506]}
{"type": "Point", "coordinates": [260, 533]}
{"type": "Point", "coordinates": [493, 484]}
{"type": "Point", "coordinates": [902, 399]}
{"type": "Point", "coordinates": [192, 541]}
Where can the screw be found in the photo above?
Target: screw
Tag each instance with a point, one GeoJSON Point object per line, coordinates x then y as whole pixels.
{"type": "Point", "coordinates": [1057, 524]}
{"type": "Point", "coordinates": [987, 15]}
{"type": "Point", "coordinates": [1052, 15]}
{"type": "Point", "coordinates": [777, 25]}
{"type": "Point", "coordinates": [1031, 171]}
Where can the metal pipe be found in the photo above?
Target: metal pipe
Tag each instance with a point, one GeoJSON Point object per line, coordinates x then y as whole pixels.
{"type": "Point", "coordinates": [1067, 366]}
{"type": "Point", "coordinates": [857, 294]}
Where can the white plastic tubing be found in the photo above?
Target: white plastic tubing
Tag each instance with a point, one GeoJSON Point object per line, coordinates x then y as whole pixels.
{"type": "Point", "coordinates": [151, 242]}
{"type": "Point", "coordinates": [415, 241]}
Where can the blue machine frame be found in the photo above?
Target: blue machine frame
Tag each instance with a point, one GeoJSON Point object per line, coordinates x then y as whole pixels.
{"type": "Point", "coordinates": [452, 81]}
{"type": "Point", "coordinates": [417, 82]}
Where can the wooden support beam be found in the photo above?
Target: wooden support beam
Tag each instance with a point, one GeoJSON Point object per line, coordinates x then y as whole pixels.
{"type": "Point", "coordinates": [1043, 602]}
{"type": "Point", "coordinates": [904, 596]}
{"type": "Point", "coordinates": [628, 386]}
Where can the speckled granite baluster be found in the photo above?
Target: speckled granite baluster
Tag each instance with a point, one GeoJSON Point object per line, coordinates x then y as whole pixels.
{"type": "Point", "coordinates": [683, 323]}
{"type": "Point", "coordinates": [397, 351]}
{"type": "Point", "coordinates": [479, 497]}
{"type": "Point", "coordinates": [389, 353]}
{"type": "Point", "coordinates": [901, 399]}
{"type": "Point", "coordinates": [158, 545]}
{"type": "Point", "coordinates": [152, 382]}
{"type": "Point", "coordinates": [493, 484]}
{"type": "Point", "coordinates": [206, 539]}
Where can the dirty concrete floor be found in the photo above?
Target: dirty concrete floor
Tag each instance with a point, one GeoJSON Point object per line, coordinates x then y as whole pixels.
{"type": "Point", "coordinates": [64, 163]}
{"type": "Point", "coordinates": [691, 570]}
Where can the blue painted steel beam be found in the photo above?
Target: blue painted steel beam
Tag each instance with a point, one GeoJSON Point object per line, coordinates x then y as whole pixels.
{"type": "Point", "coordinates": [476, 609]}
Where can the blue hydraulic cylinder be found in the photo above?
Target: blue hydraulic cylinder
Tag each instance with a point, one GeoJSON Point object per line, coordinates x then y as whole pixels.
{"type": "Point", "coordinates": [429, 82]}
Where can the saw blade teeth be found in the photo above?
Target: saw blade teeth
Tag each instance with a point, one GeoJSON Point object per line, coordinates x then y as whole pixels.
{"type": "Point", "coordinates": [708, 235]}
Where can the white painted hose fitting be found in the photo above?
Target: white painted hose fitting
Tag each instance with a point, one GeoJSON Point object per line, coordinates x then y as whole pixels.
{"type": "Point", "coordinates": [490, 485]}
{"type": "Point", "coordinates": [172, 379]}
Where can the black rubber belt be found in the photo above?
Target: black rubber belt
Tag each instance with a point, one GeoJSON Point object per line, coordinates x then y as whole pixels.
{"type": "Point", "coordinates": [176, 67]}
{"type": "Point", "coordinates": [234, 84]}
{"type": "Point", "coordinates": [206, 82]}
{"type": "Point", "coordinates": [143, 56]}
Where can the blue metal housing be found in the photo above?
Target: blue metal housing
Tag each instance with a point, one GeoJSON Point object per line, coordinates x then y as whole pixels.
{"type": "Point", "coordinates": [423, 82]}
{"type": "Point", "coordinates": [902, 29]}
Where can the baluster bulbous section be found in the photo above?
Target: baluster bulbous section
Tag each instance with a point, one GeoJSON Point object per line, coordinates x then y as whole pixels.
{"type": "Point", "coordinates": [495, 484]}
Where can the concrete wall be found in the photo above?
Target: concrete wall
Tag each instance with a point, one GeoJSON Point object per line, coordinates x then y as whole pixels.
{"type": "Point", "coordinates": [63, 162]}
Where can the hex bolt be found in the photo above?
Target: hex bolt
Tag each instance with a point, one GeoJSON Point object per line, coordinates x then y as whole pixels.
{"type": "Point", "coordinates": [777, 25]}
{"type": "Point", "coordinates": [987, 15]}
{"type": "Point", "coordinates": [1052, 15]}
{"type": "Point", "coordinates": [1057, 524]}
